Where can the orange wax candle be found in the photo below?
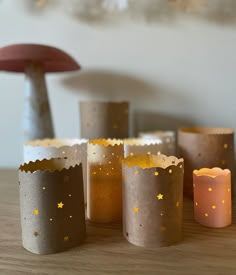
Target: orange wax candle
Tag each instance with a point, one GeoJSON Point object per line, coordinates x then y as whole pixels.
{"type": "Point", "coordinates": [212, 197]}
{"type": "Point", "coordinates": [104, 195]}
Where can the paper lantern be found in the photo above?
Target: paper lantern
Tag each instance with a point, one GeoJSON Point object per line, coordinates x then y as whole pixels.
{"type": "Point", "coordinates": [58, 148]}
{"type": "Point", "coordinates": [205, 147]}
{"type": "Point", "coordinates": [104, 196]}
{"type": "Point", "coordinates": [168, 139]}
{"type": "Point", "coordinates": [139, 146]}
{"type": "Point", "coordinates": [51, 205]}
{"type": "Point", "coordinates": [152, 200]}
{"type": "Point", "coordinates": [212, 197]}
{"type": "Point", "coordinates": [104, 119]}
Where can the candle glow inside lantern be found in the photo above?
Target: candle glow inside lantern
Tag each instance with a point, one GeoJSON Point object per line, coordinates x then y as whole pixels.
{"type": "Point", "coordinates": [168, 139]}
{"type": "Point", "coordinates": [205, 147]}
{"type": "Point", "coordinates": [212, 197]}
{"type": "Point", "coordinates": [104, 193]}
{"type": "Point", "coordinates": [152, 200]}
{"type": "Point", "coordinates": [75, 149]}
{"type": "Point", "coordinates": [140, 146]}
{"type": "Point", "coordinates": [51, 205]}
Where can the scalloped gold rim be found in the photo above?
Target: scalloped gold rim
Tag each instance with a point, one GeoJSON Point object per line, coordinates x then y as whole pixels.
{"type": "Point", "coordinates": [211, 172]}
{"type": "Point", "coordinates": [48, 165]}
{"type": "Point", "coordinates": [152, 161]}
{"type": "Point", "coordinates": [52, 143]}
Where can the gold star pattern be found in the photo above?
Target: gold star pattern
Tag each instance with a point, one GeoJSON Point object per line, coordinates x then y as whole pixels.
{"type": "Point", "coordinates": [36, 234]}
{"type": "Point", "coordinates": [136, 172]}
{"type": "Point", "coordinates": [66, 238]}
{"type": "Point", "coordinates": [210, 189]}
{"type": "Point", "coordinates": [160, 196]}
{"type": "Point", "coordinates": [60, 205]}
{"type": "Point", "coordinates": [177, 204]}
{"type": "Point", "coordinates": [136, 209]}
{"type": "Point", "coordinates": [156, 173]}
{"type": "Point", "coordinates": [36, 211]}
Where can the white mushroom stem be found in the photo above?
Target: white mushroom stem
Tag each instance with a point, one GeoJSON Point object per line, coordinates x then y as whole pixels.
{"type": "Point", "coordinates": [37, 120]}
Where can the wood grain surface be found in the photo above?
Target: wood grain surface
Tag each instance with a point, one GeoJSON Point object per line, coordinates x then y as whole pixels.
{"type": "Point", "coordinates": [203, 251]}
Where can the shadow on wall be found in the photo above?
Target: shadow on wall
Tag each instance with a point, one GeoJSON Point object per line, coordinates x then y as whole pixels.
{"type": "Point", "coordinates": [98, 84]}
{"type": "Point", "coordinates": [151, 121]}
{"type": "Point", "coordinates": [113, 86]}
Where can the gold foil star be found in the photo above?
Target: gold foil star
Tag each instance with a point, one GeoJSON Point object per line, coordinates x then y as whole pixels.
{"type": "Point", "coordinates": [36, 234]}
{"type": "Point", "coordinates": [36, 211]}
{"type": "Point", "coordinates": [66, 238]}
{"type": "Point", "coordinates": [136, 209]}
{"type": "Point", "coordinates": [60, 205]}
{"type": "Point", "coordinates": [160, 196]}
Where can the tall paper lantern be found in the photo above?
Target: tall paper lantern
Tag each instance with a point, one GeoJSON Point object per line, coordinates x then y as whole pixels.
{"type": "Point", "coordinates": [104, 193]}
{"type": "Point", "coordinates": [212, 197]}
{"type": "Point", "coordinates": [205, 147]}
{"type": "Point", "coordinates": [140, 146]}
{"type": "Point", "coordinates": [152, 200]}
{"type": "Point", "coordinates": [104, 119]}
{"type": "Point", "coordinates": [51, 205]}
{"type": "Point", "coordinates": [168, 139]}
{"type": "Point", "coordinates": [58, 148]}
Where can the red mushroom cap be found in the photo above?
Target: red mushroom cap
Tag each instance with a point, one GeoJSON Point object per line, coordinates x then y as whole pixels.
{"type": "Point", "coordinates": [15, 58]}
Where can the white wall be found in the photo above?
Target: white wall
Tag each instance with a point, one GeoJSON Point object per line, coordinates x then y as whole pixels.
{"type": "Point", "coordinates": [174, 74]}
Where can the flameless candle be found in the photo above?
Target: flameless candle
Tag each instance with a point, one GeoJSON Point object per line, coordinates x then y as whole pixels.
{"type": "Point", "coordinates": [104, 193]}
{"type": "Point", "coordinates": [212, 197]}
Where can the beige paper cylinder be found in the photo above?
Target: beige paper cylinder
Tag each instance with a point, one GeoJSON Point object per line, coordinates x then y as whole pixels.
{"type": "Point", "coordinates": [168, 139]}
{"type": "Point", "coordinates": [51, 205]}
{"type": "Point", "coordinates": [140, 146]}
{"type": "Point", "coordinates": [205, 147]}
{"type": "Point", "coordinates": [104, 193]}
{"type": "Point", "coordinates": [104, 120]}
{"type": "Point", "coordinates": [59, 148]}
{"type": "Point", "coordinates": [152, 200]}
{"type": "Point", "coordinates": [212, 197]}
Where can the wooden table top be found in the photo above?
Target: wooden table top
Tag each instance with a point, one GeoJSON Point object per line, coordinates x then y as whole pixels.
{"type": "Point", "coordinates": [203, 251]}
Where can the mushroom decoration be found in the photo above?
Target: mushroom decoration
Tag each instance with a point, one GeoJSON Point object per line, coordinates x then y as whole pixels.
{"type": "Point", "coordinates": [36, 60]}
